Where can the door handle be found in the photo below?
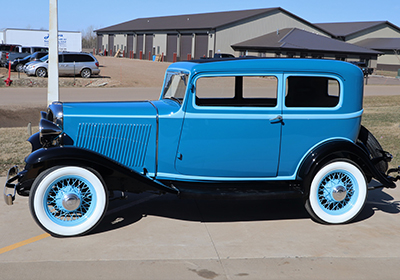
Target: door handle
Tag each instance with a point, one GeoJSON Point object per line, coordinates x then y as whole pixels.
{"type": "Point", "coordinates": [278, 119]}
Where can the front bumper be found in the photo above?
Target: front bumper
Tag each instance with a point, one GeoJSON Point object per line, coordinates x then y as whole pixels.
{"type": "Point", "coordinates": [12, 175]}
{"type": "Point", "coordinates": [30, 71]}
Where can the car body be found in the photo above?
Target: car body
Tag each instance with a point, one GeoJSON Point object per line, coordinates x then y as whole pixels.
{"type": "Point", "coordinates": [18, 64]}
{"type": "Point", "coordinates": [224, 129]}
{"type": "Point", "coordinates": [5, 49]}
{"type": "Point", "coordinates": [19, 52]}
{"type": "Point", "coordinates": [69, 64]}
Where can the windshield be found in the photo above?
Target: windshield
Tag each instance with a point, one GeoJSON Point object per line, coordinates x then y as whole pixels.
{"type": "Point", "coordinates": [44, 58]}
{"type": "Point", "coordinates": [175, 85]}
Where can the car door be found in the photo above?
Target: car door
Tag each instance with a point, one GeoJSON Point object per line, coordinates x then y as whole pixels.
{"type": "Point", "coordinates": [70, 64]}
{"type": "Point", "coordinates": [232, 128]}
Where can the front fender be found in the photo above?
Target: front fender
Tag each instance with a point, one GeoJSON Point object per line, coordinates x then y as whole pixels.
{"type": "Point", "coordinates": [45, 158]}
{"type": "Point", "coordinates": [341, 149]}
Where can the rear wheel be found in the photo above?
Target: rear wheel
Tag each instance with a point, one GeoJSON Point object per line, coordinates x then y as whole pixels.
{"type": "Point", "coordinates": [19, 67]}
{"type": "Point", "coordinates": [86, 73]}
{"type": "Point", "coordinates": [337, 193]}
{"type": "Point", "coordinates": [68, 200]}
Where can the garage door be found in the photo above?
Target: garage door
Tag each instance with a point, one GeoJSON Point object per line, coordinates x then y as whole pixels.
{"type": "Point", "coordinates": [148, 46]}
{"type": "Point", "coordinates": [186, 46]}
{"type": "Point", "coordinates": [139, 45]}
{"type": "Point", "coordinates": [201, 46]}
{"type": "Point", "coordinates": [172, 46]}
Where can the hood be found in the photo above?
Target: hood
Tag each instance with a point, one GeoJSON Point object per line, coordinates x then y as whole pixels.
{"type": "Point", "coordinates": [123, 131]}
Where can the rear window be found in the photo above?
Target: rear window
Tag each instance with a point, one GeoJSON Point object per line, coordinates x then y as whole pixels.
{"type": "Point", "coordinates": [304, 91]}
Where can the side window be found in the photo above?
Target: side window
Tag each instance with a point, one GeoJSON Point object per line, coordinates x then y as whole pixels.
{"type": "Point", "coordinates": [71, 58]}
{"type": "Point", "coordinates": [86, 58]}
{"type": "Point", "coordinates": [237, 91]}
{"type": "Point", "coordinates": [302, 91]}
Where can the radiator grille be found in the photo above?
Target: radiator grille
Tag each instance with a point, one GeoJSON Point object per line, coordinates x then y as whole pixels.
{"type": "Point", "coordinates": [125, 143]}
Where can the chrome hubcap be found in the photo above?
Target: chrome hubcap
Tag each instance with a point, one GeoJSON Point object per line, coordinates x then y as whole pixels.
{"type": "Point", "coordinates": [71, 201]}
{"type": "Point", "coordinates": [339, 193]}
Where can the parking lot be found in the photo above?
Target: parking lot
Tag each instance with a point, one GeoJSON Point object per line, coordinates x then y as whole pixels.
{"type": "Point", "coordinates": [162, 237]}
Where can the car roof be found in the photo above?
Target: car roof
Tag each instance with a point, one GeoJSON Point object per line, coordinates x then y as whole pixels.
{"type": "Point", "coordinates": [254, 64]}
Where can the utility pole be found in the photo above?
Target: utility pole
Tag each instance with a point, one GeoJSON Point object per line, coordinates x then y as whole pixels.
{"type": "Point", "coordinates": [52, 88]}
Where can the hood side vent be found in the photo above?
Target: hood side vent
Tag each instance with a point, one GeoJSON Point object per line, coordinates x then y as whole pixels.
{"type": "Point", "coordinates": [124, 143]}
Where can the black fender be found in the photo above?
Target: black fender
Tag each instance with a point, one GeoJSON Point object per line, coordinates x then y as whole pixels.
{"type": "Point", "coordinates": [44, 158]}
{"type": "Point", "coordinates": [341, 149]}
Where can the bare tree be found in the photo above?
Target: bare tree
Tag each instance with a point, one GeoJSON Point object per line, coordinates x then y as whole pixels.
{"type": "Point", "coordinates": [89, 38]}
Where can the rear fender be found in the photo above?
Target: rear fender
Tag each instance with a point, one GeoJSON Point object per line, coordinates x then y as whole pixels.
{"type": "Point", "coordinates": [341, 149]}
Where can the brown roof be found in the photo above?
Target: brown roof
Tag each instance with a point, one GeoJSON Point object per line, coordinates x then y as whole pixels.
{"type": "Point", "coordinates": [293, 39]}
{"type": "Point", "coordinates": [380, 43]}
{"type": "Point", "coordinates": [205, 21]}
{"type": "Point", "coordinates": [344, 29]}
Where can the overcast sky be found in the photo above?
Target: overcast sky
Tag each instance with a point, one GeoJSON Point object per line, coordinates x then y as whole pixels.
{"type": "Point", "coordinates": [74, 15]}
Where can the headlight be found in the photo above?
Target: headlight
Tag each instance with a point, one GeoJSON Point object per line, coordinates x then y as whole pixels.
{"type": "Point", "coordinates": [51, 125]}
{"type": "Point", "coordinates": [55, 113]}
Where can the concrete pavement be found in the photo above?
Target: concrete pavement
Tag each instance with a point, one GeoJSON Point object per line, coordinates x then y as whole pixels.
{"type": "Point", "coordinates": [162, 237]}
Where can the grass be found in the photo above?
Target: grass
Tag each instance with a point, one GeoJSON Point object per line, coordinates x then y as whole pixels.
{"type": "Point", "coordinates": [381, 117]}
{"type": "Point", "coordinates": [13, 147]}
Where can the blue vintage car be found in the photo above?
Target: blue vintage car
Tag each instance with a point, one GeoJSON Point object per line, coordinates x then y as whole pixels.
{"type": "Point", "coordinates": [222, 129]}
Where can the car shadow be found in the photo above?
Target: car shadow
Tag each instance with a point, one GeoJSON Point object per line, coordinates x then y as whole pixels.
{"type": "Point", "coordinates": [124, 212]}
{"type": "Point", "coordinates": [378, 200]}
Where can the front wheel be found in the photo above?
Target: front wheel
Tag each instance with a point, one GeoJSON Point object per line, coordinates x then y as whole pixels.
{"type": "Point", "coordinates": [68, 200]}
{"type": "Point", "coordinates": [41, 72]}
{"type": "Point", "coordinates": [338, 192]}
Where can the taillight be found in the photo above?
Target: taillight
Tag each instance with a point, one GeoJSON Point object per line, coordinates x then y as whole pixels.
{"type": "Point", "coordinates": [7, 54]}
{"type": "Point", "coordinates": [97, 64]}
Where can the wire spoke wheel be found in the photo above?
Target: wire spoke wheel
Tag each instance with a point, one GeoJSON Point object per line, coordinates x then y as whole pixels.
{"type": "Point", "coordinates": [337, 193]}
{"type": "Point", "coordinates": [68, 201]}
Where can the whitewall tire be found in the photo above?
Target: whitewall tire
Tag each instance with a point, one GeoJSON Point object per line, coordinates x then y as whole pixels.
{"type": "Point", "coordinates": [68, 200]}
{"type": "Point", "coordinates": [338, 192]}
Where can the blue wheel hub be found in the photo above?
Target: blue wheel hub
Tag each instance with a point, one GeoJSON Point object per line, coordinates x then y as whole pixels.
{"type": "Point", "coordinates": [70, 200]}
{"type": "Point", "coordinates": [337, 191]}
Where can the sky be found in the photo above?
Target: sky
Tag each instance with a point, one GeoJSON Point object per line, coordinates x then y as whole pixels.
{"type": "Point", "coordinates": [74, 15]}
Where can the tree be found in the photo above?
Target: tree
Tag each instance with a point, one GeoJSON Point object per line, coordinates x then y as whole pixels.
{"type": "Point", "coordinates": [89, 38]}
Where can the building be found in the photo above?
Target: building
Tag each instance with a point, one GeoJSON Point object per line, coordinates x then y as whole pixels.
{"type": "Point", "coordinates": [196, 35]}
{"type": "Point", "coordinates": [67, 40]}
{"type": "Point", "coordinates": [294, 42]}
{"type": "Point", "coordinates": [382, 36]}
{"type": "Point", "coordinates": [259, 32]}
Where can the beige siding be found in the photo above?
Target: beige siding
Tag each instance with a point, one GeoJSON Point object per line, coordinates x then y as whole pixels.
{"type": "Point", "coordinates": [267, 23]}
{"type": "Point", "coordinates": [120, 42]}
{"type": "Point", "coordinates": [160, 43]}
{"type": "Point", "coordinates": [105, 41]}
{"type": "Point", "coordinates": [381, 31]}
{"type": "Point", "coordinates": [211, 43]}
{"type": "Point", "coordinates": [391, 59]}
